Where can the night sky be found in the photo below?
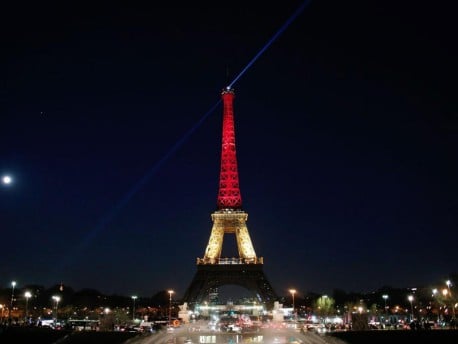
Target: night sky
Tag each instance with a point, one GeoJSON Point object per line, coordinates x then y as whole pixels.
{"type": "Point", "coordinates": [346, 132]}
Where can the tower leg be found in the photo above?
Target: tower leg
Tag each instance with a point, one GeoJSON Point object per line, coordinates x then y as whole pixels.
{"type": "Point", "coordinates": [245, 247]}
{"type": "Point", "coordinates": [215, 244]}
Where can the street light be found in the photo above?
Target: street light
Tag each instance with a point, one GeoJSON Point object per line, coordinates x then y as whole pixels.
{"type": "Point", "coordinates": [448, 283]}
{"type": "Point", "coordinates": [56, 299]}
{"type": "Point", "coordinates": [293, 291]}
{"type": "Point", "coordinates": [133, 307]}
{"type": "Point", "coordinates": [385, 297]}
{"type": "Point", "coordinates": [435, 291]}
{"type": "Point", "coordinates": [27, 295]}
{"type": "Point", "coordinates": [410, 298]}
{"type": "Point", "coordinates": [170, 305]}
{"type": "Point", "coordinates": [13, 284]}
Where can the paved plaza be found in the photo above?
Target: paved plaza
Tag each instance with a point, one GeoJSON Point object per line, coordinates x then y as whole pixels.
{"type": "Point", "coordinates": [187, 334]}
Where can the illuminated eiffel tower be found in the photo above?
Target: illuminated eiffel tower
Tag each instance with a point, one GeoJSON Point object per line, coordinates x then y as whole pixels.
{"type": "Point", "coordinates": [214, 271]}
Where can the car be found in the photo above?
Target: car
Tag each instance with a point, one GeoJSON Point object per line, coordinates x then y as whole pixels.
{"type": "Point", "coordinates": [46, 323]}
{"type": "Point", "coordinates": [318, 328]}
{"type": "Point", "coordinates": [128, 329]}
{"type": "Point", "coordinates": [233, 328]}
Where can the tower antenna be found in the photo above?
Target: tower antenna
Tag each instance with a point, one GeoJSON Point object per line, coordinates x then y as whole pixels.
{"type": "Point", "coordinates": [227, 75]}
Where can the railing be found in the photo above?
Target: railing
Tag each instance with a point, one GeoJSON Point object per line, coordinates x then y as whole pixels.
{"type": "Point", "coordinates": [229, 261]}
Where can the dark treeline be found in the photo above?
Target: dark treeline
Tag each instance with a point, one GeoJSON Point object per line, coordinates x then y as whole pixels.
{"type": "Point", "coordinates": [385, 297]}
{"type": "Point", "coordinates": [41, 297]}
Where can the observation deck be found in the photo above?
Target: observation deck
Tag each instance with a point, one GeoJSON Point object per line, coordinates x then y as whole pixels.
{"type": "Point", "coordinates": [230, 261]}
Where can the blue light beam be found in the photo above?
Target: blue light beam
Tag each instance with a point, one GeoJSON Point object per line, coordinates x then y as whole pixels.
{"type": "Point", "coordinates": [269, 43]}
{"type": "Point", "coordinates": [105, 220]}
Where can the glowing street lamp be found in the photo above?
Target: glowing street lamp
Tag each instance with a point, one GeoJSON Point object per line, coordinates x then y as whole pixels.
{"type": "Point", "coordinates": [385, 297]}
{"type": "Point", "coordinates": [170, 305]}
{"type": "Point", "coordinates": [293, 292]}
{"type": "Point", "coordinates": [27, 295]}
{"type": "Point", "coordinates": [133, 307]}
{"type": "Point", "coordinates": [13, 284]}
{"type": "Point", "coordinates": [435, 292]}
{"type": "Point", "coordinates": [56, 300]}
{"type": "Point", "coordinates": [410, 298]}
{"type": "Point", "coordinates": [448, 283]}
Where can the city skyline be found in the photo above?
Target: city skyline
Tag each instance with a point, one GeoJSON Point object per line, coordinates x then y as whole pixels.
{"type": "Point", "coordinates": [346, 134]}
{"type": "Point", "coordinates": [440, 290]}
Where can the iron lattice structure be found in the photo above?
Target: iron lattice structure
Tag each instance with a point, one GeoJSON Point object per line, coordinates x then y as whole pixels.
{"type": "Point", "coordinates": [229, 189]}
{"type": "Point", "coordinates": [210, 277]}
{"type": "Point", "coordinates": [213, 271]}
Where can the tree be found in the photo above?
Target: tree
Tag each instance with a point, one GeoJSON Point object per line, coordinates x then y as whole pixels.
{"type": "Point", "coordinates": [324, 306]}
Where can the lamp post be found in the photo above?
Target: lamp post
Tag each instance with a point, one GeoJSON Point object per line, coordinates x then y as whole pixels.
{"type": "Point", "coordinates": [56, 300]}
{"type": "Point", "coordinates": [13, 284]}
{"type": "Point", "coordinates": [293, 292]}
{"type": "Point", "coordinates": [445, 293]}
{"type": "Point", "coordinates": [170, 306]}
{"type": "Point", "coordinates": [133, 307]}
{"type": "Point", "coordinates": [448, 283]}
{"type": "Point", "coordinates": [385, 297]}
{"type": "Point", "coordinates": [438, 306]}
{"type": "Point", "coordinates": [27, 295]}
{"type": "Point", "coordinates": [410, 298]}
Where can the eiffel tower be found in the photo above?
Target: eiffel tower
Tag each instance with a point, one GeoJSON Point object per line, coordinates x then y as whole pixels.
{"type": "Point", "coordinates": [214, 271]}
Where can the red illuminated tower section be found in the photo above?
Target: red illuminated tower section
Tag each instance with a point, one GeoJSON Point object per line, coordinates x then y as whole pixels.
{"type": "Point", "coordinates": [229, 218]}
{"type": "Point", "coordinates": [213, 270]}
{"type": "Point", "coordinates": [229, 191]}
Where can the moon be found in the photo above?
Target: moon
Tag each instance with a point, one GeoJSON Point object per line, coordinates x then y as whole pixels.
{"type": "Point", "coordinates": [7, 180]}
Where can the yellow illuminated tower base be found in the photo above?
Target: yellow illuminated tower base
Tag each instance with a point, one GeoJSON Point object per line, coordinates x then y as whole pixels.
{"type": "Point", "coordinates": [228, 221]}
